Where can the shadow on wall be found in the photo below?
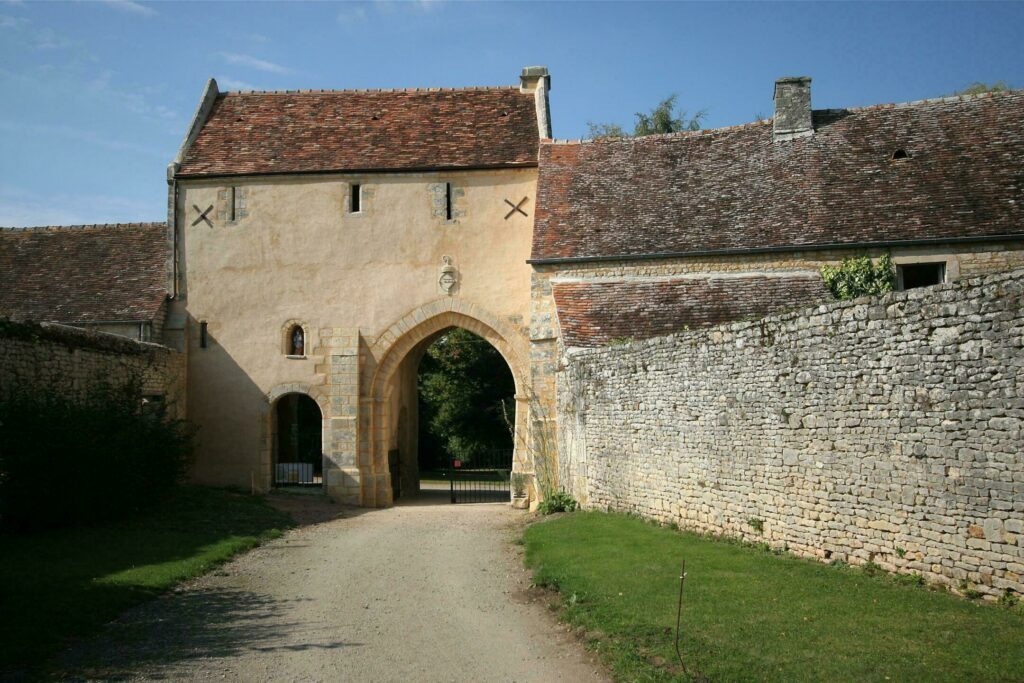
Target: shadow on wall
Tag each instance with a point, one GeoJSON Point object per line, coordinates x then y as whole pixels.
{"type": "Point", "coordinates": [231, 413]}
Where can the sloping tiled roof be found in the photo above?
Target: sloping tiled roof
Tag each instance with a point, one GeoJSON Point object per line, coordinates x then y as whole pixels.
{"type": "Point", "coordinates": [596, 313]}
{"type": "Point", "coordinates": [86, 273]}
{"type": "Point", "coordinates": [305, 132]}
{"type": "Point", "coordinates": [734, 189]}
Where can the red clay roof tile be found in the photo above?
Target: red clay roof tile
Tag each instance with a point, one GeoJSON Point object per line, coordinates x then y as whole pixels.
{"type": "Point", "coordinates": [596, 313]}
{"type": "Point", "coordinates": [308, 132]}
{"type": "Point", "coordinates": [734, 189]}
{"type": "Point", "coordinates": [88, 273]}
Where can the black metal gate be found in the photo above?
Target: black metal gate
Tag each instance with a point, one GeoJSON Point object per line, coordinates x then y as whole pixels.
{"type": "Point", "coordinates": [485, 479]}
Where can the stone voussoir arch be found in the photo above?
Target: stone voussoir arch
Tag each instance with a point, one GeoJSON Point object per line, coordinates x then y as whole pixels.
{"type": "Point", "coordinates": [391, 348]}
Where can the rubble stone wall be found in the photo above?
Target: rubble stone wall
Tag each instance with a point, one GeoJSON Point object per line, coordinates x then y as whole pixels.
{"type": "Point", "coordinates": [886, 430]}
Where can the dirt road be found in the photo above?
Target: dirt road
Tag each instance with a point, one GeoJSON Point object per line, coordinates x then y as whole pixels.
{"type": "Point", "coordinates": [418, 592]}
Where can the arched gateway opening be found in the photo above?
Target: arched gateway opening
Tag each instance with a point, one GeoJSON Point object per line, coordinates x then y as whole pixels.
{"type": "Point", "coordinates": [298, 458]}
{"type": "Point", "coordinates": [395, 429]}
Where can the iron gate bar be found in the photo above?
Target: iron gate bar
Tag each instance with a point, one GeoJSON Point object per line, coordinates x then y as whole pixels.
{"type": "Point", "coordinates": [485, 479]}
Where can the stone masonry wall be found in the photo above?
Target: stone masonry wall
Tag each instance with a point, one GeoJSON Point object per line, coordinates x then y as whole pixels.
{"type": "Point", "coordinates": [68, 360]}
{"type": "Point", "coordinates": [885, 430]}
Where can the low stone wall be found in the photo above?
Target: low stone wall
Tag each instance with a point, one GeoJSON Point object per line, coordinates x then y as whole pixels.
{"type": "Point", "coordinates": [885, 430]}
{"type": "Point", "coordinates": [69, 361]}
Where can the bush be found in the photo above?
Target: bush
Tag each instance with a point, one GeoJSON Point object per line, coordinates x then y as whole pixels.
{"type": "Point", "coordinates": [859, 276]}
{"type": "Point", "coordinates": [71, 461]}
{"type": "Point", "coordinates": [560, 501]}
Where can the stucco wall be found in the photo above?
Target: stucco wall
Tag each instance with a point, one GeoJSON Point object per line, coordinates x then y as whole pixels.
{"type": "Point", "coordinates": [887, 430]}
{"type": "Point", "coordinates": [69, 361]}
{"type": "Point", "coordinates": [297, 254]}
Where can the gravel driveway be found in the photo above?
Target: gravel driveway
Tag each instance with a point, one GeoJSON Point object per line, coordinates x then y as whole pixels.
{"type": "Point", "coordinates": [424, 591]}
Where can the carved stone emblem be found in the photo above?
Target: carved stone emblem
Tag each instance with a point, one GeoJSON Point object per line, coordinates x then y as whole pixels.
{"type": "Point", "coordinates": [449, 276]}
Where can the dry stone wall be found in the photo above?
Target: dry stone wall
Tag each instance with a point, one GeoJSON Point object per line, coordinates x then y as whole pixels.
{"type": "Point", "coordinates": [885, 430]}
{"type": "Point", "coordinates": [69, 361]}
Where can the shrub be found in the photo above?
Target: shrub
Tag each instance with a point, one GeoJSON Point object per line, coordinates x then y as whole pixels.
{"type": "Point", "coordinates": [859, 276]}
{"type": "Point", "coordinates": [559, 501]}
{"type": "Point", "coordinates": [67, 461]}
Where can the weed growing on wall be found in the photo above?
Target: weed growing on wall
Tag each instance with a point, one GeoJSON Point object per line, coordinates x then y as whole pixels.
{"type": "Point", "coordinates": [67, 461]}
{"type": "Point", "coordinates": [860, 276]}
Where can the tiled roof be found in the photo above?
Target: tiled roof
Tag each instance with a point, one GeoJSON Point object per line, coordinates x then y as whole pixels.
{"type": "Point", "coordinates": [734, 189]}
{"type": "Point", "coordinates": [596, 313]}
{"type": "Point", "coordinates": [86, 273]}
{"type": "Point", "coordinates": [305, 132]}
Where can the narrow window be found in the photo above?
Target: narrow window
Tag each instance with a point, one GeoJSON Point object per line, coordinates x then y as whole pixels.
{"type": "Point", "coordinates": [913, 275]}
{"type": "Point", "coordinates": [355, 198]}
{"type": "Point", "coordinates": [233, 202]}
{"type": "Point", "coordinates": [297, 342]}
{"type": "Point", "coordinates": [447, 201]}
{"type": "Point", "coordinates": [202, 334]}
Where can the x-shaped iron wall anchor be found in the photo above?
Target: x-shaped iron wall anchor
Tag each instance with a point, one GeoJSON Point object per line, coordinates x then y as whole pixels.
{"type": "Point", "coordinates": [515, 207]}
{"type": "Point", "coordinates": [202, 215]}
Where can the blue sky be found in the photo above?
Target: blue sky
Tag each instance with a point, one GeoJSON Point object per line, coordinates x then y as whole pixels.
{"type": "Point", "coordinates": [96, 95]}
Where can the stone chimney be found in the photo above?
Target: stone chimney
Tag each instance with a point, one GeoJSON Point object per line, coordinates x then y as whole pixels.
{"type": "Point", "coordinates": [792, 108]}
{"type": "Point", "coordinates": [537, 80]}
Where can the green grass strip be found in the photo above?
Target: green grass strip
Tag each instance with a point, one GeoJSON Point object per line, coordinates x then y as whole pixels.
{"type": "Point", "coordinates": [749, 614]}
{"type": "Point", "coordinates": [62, 584]}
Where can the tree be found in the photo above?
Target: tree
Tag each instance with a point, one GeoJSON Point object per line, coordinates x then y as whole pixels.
{"type": "Point", "coordinates": [662, 119]}
{"type": "Point", "coordinates": [859, 276]}
{"type": "Point", "coordinates": [462, 383]}
{"type": "Point", "coordinates": [978, 87]}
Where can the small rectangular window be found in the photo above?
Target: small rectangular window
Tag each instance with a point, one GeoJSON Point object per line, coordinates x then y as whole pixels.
{"type": "Point", "coordinates": [232, 203]}
{"type": "Point", "coordinates": [447, 201]}
{"type": "Point", "coordinates": [203, 335]}
{"type": "Point", "coordinates": [355, 198]}
{"type": "Point", "coordinates": [914, 275]}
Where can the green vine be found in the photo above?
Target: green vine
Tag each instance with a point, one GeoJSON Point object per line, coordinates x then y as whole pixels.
{"type": "Point", "coordinates": [860, 276]}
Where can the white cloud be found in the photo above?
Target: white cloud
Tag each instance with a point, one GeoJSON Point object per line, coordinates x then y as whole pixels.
{"type": "Point", "coordinates": [12, 22]}
{"type": "Point", "coordinates": [232, 84]}
{"type": "Point", "coordinates": [79, 135]}
{"type": "Point", "coordinates": [351, 14]}
{"type": "Point", "coordinates": [254, 63]}
{"type": "Point", "coordinates": [22, 208]}
{"type": "Point", "coordinates": [130, 6]}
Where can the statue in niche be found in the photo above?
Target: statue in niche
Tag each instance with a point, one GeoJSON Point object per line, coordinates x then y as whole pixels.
{"type": "Point", "coordinates": [298, 342]}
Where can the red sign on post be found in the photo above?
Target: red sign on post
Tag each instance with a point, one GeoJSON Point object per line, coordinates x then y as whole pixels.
{"type": "Point", "coordinates": [456, 463]}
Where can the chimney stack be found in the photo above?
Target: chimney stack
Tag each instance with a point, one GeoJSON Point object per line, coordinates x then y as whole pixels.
{"type": "Point", "coordinates": [792, 109]}
{"type": "Point", "coordinates": [537, 80]}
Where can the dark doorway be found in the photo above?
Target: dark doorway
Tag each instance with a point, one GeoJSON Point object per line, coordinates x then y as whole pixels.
{"type": "Point", "coordinates": [466, 407]}
{"type": "Point", "coordinates": [298, 448]}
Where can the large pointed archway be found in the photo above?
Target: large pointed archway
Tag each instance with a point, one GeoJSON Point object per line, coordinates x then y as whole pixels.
{"type": "Point", "coordinates": [382, 400]}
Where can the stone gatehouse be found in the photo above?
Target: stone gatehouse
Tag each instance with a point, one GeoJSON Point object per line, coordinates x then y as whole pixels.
{"type": "Point", "coordinates": [318, 241]}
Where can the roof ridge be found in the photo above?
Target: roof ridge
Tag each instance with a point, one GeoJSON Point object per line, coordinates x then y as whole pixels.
{"type": "Point", "coordinates": [948, 99]}
{"type": "Point", "coordinates": [82, 226]}
{"type": "Point", "coordinates": [656, 136]}
{"type": "Point", "coordinates": [363, 91]}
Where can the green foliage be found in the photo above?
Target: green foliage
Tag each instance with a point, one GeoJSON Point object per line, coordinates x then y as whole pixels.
{"type": "Point", "coordinates": [64, 583]}
{"type": "Point", "coordinates": [753, 615]}
{"type": "Point", "coordinates": [756, 524]}
{"type": "Point", "coordinates": [978, 88]}
{"type": "Point", "coordinates": [859, 276]}
{"type": "Point", "coordinates": [462, 383]}
{"type": "Point", "coordinates": [559, 501]}
{"type": "Point", "coordinates": [70, 461]}
{"type": "Point", "coordinates": [662, 119]}
{"type": "Point", "coordinates": [1008, 599]}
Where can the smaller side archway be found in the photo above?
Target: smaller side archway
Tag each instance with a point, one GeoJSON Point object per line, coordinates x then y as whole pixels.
{"type": "Point", "coordinates": [296, 425]}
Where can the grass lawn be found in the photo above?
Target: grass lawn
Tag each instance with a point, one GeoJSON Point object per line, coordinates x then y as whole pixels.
{"type": "Point", "coordinates": [56, 585]}
{"type": "Point", "coordinates": [751, 615]}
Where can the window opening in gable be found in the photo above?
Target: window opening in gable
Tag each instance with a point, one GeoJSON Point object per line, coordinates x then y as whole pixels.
{"type": "Point", "coordinates": [447, 201]}
{"type": "Point", "coordinates": [355, 198]}
{"type": "Point", "coordinates": [900, 154]}
{"type": "Point", "coordinates": [914, 275]}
